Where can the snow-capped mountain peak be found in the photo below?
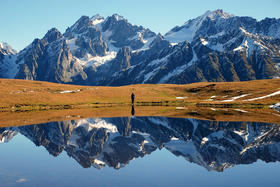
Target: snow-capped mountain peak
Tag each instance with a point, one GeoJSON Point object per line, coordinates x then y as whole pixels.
{"type": "Point", "coordinates": [212, 15]}
{"type": "Point", "coordinates": [6, 48]}
{"type": "Point", "coordinates": [96, 19]}
{"type": "Point", "coordinates": [193, 27]}
{"type": "Point", "coordinates": [52, 35]}
{"type": "Point", "coordinates": [118, 17]}
{"type": "Point", "coordinates": [97, 16]}
{"type": "Point", "coordinates": [217, 14]}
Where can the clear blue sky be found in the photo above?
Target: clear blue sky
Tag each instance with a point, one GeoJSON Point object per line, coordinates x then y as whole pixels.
{"type": "Point", "coordinates": [22, 21]}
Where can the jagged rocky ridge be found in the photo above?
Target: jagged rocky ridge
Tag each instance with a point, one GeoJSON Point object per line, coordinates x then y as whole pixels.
{"type": "Point", "coordinates": [116, 141]}
{"type": "Point", "coordinates": [216, 46]}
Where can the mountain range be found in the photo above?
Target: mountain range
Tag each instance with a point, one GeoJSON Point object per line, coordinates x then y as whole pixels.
{"type": "Point", "coordinates": [215, 46]}
{"type": "Point", "coordinates": [114, 142]}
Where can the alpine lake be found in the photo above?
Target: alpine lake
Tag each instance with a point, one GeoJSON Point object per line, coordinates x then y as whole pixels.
{"type": "Point", "coordinates": [140, 146]}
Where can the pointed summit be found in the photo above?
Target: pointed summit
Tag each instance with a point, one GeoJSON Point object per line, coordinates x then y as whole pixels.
{"type": "Point", "coordinates": [113, 21]}
{"type": "Point", "coordinates": [6, 48]}
{"type": "Point", "coordinates": [97, 16]}
{"type": "Point", "coordinates": [52, 35]}
{"type": "Point", "coordinates": [79, 26]}
{"type": "Point", "coordinates": [212, 15]}
{"type": "Point", "coordinates": [117, 17]}
{"type": "Point", "coordinates": [219, 13]}
{"type": "Point", "coordinates": [205, 24]}
{"type": "Point", "coordinates": [96, 19]}
{"type": "Point", "coordinates": [83, 20]}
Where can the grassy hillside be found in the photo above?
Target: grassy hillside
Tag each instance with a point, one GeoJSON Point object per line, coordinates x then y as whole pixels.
{"type": "Point", "coordinates": [33, 95]}
{"type": "Point", "coordinates": [31, 102]}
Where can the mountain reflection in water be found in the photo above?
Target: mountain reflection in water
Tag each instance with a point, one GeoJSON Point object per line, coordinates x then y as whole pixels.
{"type": "Point", "coordinates": [114, 142]}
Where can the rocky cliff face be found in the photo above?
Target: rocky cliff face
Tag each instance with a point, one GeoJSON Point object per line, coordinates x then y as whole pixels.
{"type": "Point", "coordinates": [216, 46]}
{"type": "Point", "coordinates": [116, 141]}
{"type": "Point", "coordinates": [49, 59]}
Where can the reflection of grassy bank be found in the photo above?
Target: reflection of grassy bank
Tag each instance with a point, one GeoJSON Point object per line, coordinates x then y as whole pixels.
{"type": "Point", "coordinates": [22, 95]}
{"type": "Point", "coordinates": [204, 113]}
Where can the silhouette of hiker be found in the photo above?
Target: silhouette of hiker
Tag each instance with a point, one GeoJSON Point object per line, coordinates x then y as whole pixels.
{"type": "Point", "coordinates": [132, 98]}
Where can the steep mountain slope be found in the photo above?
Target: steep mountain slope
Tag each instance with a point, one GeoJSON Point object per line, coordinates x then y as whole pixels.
{"type": "Point", "coordinates": [216, 46]}
{"type": "Point", "coordinates": [8, 68]}
{"type": "Point", "coordinates": [49, 59]}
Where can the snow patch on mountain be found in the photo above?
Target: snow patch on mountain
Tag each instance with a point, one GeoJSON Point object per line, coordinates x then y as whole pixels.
{"type": "Point", "coordinates": [242, 46]}
{"type": "Point", "coordinates": [185, 148]}
{"type": "Point", "coordinates": [246, 32]}
{"type": "Point", "coordinates": [160, 121]}
{"type": "Point", "coordinates": [7, 135]}
{"type": "Point", "coordinates": [118, 17]}
{"type": "Point", "coordinates": [106, 36]}
{"type": "Point", "coordinates": [97, 19]}
{"type": "Point", "coordinates": [175, 72]}
{"type": "Point", "coordinates": [213, 15]}
{"type": "Point", "coordinates": [185, 34]}
{"type": "Point", "coordinates": [147, 42]}
{"type": "Point", "coordinates": [262, 46]}
{"type": "Point", "coordinates": [189, 30]}
{"type": "Point", "coordinates": [95, 61]}
{"type": "Point", "coordinates": [72, 45]}
{"type": "Point", "coordinates": [96, 123]}
{"type": "Point", "coordinates": [203, 41]}
{"type": "Point", "coordinates": [137, 36]}
{"type": "Point", "coordinates": [148, 76]}
{"type": "Point", "coordinates": [180, 69]}
{"type": "Point", "coordinates": [173, 44]}
{"type": "Point", "coordinates": [156, 62]}
{"type": "Point", "coordinates": [7, 49]}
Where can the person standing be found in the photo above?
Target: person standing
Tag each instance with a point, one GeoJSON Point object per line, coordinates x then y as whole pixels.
{"type": "Point", "coordinates": [132, 98]}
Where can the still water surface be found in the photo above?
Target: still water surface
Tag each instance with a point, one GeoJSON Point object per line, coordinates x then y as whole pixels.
{"type": "Point", "coordinates": [140, 151]}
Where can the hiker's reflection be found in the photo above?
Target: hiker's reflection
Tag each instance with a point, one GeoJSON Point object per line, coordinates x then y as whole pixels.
{"type": "Point", "coordinates": [132, 110]}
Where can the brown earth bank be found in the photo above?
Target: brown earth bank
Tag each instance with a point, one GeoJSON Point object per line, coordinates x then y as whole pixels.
{"type": "Point", "coordinates": [16, 118]}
